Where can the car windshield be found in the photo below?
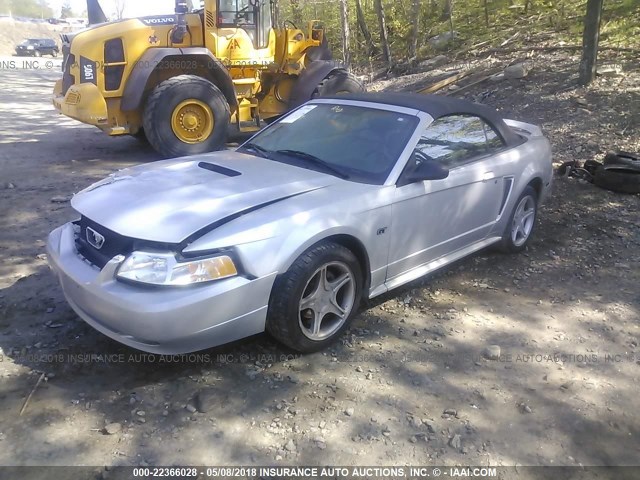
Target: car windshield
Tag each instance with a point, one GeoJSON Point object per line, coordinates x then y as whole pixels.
{"type": "Point", "coordinates": [361, 144]}
{"type": "Point", "coordinates": [32, 41]}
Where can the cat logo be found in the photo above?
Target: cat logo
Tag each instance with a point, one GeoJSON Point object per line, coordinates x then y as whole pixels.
{"type": "Point", "coordinates": [234, 45]}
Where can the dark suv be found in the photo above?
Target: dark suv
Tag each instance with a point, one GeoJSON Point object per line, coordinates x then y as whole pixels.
{"type": "Point", "coordinates": [36, 47]}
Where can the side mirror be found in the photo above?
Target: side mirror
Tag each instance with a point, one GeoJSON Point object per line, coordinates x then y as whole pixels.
{"type": "Point", "coordinates": [426, 170]}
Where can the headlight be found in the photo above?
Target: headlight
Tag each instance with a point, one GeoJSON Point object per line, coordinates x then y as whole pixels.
{"type": "Point", "coordinates": [30, 47]}
{"type": "Point", "coordinates": [164, 269]}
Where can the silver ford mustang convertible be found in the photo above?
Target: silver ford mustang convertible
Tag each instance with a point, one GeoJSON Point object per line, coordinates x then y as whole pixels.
{"type": "Point", "coordinates": [341, 199]}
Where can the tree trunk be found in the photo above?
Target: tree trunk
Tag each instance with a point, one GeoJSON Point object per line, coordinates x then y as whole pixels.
{"type": "Point", "coordinates": [590, 39]}
{"type": "Point", "coordinates": [362, 24]}
{"type": "Point", "coordinates": [384, 37]}
{"type": "Point", "coordinates": [413, 46]}
{"type": "Point", "coordinates": [275, 14]}
{"type": "Point", "coordinates": [446, 9]}
{"type": "Point", "coordinates": [296, 13]}
{"type": "Point", "coordinates": [346, 34]}
{"type": "Point", "coordinates": [486, 13]}
{"type": "Point", "coordinates": [450, 4]}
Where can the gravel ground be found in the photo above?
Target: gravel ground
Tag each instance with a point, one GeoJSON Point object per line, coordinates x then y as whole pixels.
{"type": "Point", "coordinates": [530, 359]}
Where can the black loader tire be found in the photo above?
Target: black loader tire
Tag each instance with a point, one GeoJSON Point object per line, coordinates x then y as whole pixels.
{"type": "Point", "coordinates": [591, 166]}
{"type": "Point", "coordinates": [618, 179]}
{"type": "Point", "coordinates": [630, 161]}
{"type": "Point", "coordinates": [337, 82]}
{"type": "Point", "coordinates": [141, 136]}
{"type": "Point", "coordinates": [284, 305]}
{"type": "Point", "coordinates": [162, 102]}
{"type": "Point", "coordinates": [321, 52]}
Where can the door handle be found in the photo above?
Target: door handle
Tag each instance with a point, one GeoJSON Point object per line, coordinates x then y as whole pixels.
{"type": "Point", "coordinates": [488, 176]}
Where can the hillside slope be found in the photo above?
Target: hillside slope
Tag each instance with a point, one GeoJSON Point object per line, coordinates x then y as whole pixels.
{"type": "Point", "coordinates": [15, 32]}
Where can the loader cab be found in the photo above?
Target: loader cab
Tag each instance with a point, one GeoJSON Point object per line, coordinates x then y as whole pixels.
{"type": "Point", "coordinates": [253, 16]}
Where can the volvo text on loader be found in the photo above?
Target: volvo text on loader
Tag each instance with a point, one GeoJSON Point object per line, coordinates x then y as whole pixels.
{"type": "Point", "coordinates": [180, 80]}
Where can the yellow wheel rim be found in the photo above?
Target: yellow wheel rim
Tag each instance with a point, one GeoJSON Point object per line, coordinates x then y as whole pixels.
{"type": "Point", "coordinates": [192, 121]}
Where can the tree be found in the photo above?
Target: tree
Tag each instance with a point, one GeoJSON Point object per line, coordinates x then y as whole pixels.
{"type": "Point", "coordinates": [486, 13]}
{"type": "Point", "coordinates": [415, 22]}
{"type": "Point", "coordinates": [590, 39]}
{"type": "Point", "coordinates": [346, 34]}
{"type": "Point", "coordinates": [296, 12]}
{"type": "Point", "coordinates": [446, 9]}
{"type": "Point", "coordinates": [66, 11]}
{"type": "Point", "coordinates": [362, 24]}
{"type": "Point", "coordinates": [119, 6]}
{"type": "Point", "coordinates": [26, 8]}
{"type": "Point", "coordinates": [384, 37]}
{"type": "Point", "coordinates": [447, 14]}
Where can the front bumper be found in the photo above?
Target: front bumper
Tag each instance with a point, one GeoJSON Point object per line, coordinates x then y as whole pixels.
{"type": "Point", "coordinates": [161, 320]}
{"type": "Point", "coordinates": [82, 102]}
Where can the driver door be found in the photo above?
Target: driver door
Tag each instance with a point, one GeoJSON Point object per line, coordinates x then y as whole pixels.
{"type": "Point", "coordinates": [434, 218]}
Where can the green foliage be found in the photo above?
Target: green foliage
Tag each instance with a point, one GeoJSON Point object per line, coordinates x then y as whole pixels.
{"type": "Point", "coordinates": [26, 8]}
{"type": "Point", "coordinates": [562, 18]}
{"type": "Point", "coordinates": [66, 11]}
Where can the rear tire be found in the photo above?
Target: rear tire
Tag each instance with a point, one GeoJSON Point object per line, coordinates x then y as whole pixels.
{"type": "Point", "coordinates": [338, 82]}
{"type": "Point", "coordinates": [626, 160]}
{"type": "Point", "coordinates": [186, 115]}
{"type": "Point", "coordinates": [304, 297]}
{"type": "Point", "coordinates": [620, 179]}
{"type": "Point", "coordinates": [522, 222]}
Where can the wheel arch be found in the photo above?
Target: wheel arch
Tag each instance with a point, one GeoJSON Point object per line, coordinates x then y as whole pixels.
{"type": "Point", "coordinates": [536, 183]}
{"type": "Point", "coordinates": [145, 73]}
{"type": "Point", "coordinates": [347, 240]}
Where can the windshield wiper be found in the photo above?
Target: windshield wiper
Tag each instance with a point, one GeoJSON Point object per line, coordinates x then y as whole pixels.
{"type": "Point", "coordinates": [313, 159]}
{"type": "Point", "coordinates": [261, 151]}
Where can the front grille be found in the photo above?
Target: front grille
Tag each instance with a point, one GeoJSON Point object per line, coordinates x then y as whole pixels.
{"type": "Point", "coordinates": [113, 77]}
{"type": "Point", "coordinates": [113, 54]}
{"type": "Point", "coordinates": [114, 243]}
{"type": "Point", "coordinates": [73, 98]}
{"type": "Point", "coordinates": [114, 51]}
{"type": "Point", "coordinates": [211, 23]}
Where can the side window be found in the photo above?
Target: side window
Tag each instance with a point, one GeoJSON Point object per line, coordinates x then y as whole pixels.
{"type": "Point", "coordinates": [494, 142]}
{"type": "Point", "coordinates": [458, 139]}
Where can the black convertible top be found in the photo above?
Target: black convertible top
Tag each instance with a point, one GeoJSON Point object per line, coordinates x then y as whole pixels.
{"type": "Point", "coordinates": [438, 106]}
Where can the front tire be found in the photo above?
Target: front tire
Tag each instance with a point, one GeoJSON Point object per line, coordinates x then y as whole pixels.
{"type": "Point", "coordinates": [186, 115]}
{"type": "Point", "coordinates": [313, 302]}
{"type": "Point", "coordinates": [522, 222]}
{"type": "Point", "coordinates": [141, 136]}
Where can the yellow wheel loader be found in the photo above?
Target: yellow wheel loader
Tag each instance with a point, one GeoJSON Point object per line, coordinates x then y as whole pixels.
{"type": "Point", "coordinates": [180, 80]}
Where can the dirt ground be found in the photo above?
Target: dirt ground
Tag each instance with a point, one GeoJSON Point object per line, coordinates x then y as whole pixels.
{"type": "Point", "coordinates": [408, 384]}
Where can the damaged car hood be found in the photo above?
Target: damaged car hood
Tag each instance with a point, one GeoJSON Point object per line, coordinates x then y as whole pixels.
{"type": "Point", "coordinates": [171, 200]}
